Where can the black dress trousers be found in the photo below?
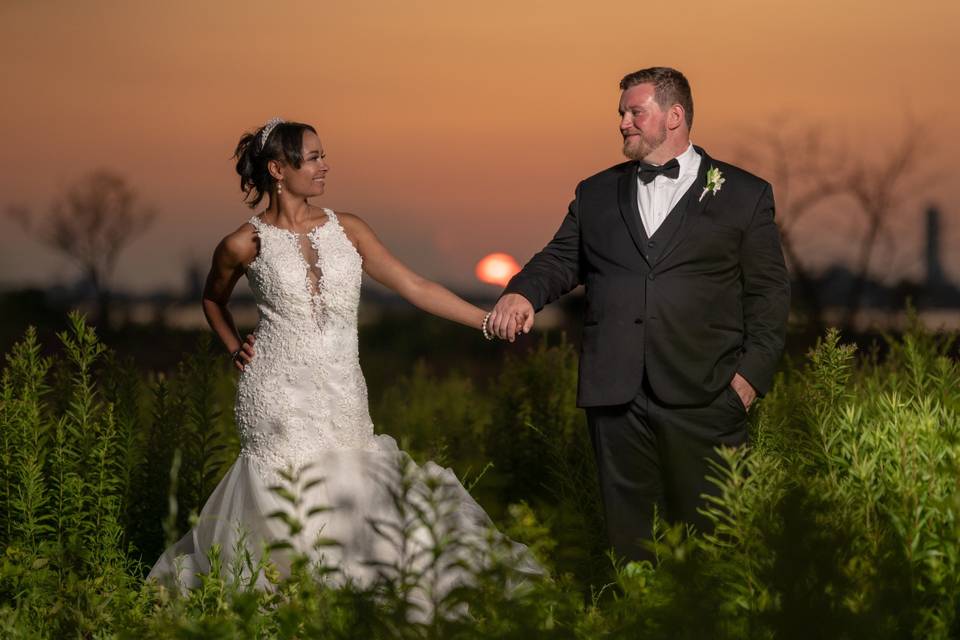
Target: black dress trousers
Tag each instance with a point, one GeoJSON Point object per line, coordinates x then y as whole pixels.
{"type": "Point", "coordinates": [654, 456]}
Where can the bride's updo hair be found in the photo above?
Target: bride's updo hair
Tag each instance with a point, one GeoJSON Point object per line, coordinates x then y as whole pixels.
{"type": "Point", "coordinates": [283, 143]}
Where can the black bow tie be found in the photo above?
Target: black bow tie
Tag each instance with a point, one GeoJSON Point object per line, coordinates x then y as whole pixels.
{"type": "Point", "coordinates": [648, 171]}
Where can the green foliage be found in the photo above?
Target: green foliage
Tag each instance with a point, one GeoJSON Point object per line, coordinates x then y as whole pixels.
{"type": "Point", "coordinates": [439, 419]}
{"type": "Point", "coordinates": [63, 534]}
{"type": "Point", "coordinates": [539, 442]}
{"type": "Point", "coordinates": [535, 400]}
{"type": "Point", "coordinates": [203, 431]}
{"type": "Point", "coordinates": [75, 455]}
{"type": "Point", "coordinates": [24, 496]}
{"type": "Point", "coordinates": [839, 520]}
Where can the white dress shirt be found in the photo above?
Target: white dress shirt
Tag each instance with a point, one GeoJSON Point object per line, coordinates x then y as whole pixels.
{"type": "Point", "coordinates": [657, 198]}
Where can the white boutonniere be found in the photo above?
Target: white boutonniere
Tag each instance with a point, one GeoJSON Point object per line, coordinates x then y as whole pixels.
{"type": "Point", "coordinates": [715, 180]}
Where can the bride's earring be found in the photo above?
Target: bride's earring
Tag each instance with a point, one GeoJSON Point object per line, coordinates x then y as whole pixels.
{"type": "Point", "coordinates": [279, 188]}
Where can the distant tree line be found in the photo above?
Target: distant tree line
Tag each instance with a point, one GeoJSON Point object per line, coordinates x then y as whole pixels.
{"type": "Point", "coordinates": [100, 215]}
{"type": "Point", "coordinates": [810, 168]}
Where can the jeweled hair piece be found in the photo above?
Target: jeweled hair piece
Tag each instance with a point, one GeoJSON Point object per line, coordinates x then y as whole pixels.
{"type": "Point", "coordinates": [267, 128]}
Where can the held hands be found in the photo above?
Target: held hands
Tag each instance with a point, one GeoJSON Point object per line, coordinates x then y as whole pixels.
{"type": "Point", "coordinates": [512, 315]}
{"type": "Point", "coordinates": [746, 392]}
{"type": "Point", "coordinates": [243, 355]}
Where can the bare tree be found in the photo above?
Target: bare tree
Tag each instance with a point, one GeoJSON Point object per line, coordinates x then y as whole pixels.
{"type": "Point", "coordinates": [810, 167]}
{"type": "Point", "coordinates": [92, 223]}
{"type": "Point", "coordinates": [880, 186]}
{"type": "Point", "coordinates": [806, 167]}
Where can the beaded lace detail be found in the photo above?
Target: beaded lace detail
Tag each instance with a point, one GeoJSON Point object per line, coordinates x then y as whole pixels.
{"type": "Point", "coordinates": [303, 393]}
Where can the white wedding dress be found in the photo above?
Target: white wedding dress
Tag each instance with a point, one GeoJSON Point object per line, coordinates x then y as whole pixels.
{"type": "Point", "coordinates": [302, 405]}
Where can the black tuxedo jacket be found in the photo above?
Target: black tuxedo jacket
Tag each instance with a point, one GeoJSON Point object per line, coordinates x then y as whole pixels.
{"type": "Point", "coordinates": [707, 296]}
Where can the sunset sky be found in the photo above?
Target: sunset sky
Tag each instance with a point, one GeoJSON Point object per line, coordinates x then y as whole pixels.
{"type": "Point", "coordinates": [455, 129]}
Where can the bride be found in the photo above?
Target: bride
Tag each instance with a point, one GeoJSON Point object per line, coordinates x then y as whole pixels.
{"type": "Point", "coordinates": [302, 400]}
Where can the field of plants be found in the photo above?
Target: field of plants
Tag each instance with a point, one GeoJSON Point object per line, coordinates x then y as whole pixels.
{"type": "Point", "coordinates": [840, 520]}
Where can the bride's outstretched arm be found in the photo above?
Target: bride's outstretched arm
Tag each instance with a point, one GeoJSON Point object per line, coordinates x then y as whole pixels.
{"type": "Point", "coordinates": [383, 267]}
{"type": "Point", "coordinates": [229, 261]}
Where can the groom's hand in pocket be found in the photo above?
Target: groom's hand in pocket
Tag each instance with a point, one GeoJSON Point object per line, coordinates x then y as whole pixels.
{"type": "Point", "coordinates": [512, 315]}
{"type": "Point", "coordinates": [743, 388]}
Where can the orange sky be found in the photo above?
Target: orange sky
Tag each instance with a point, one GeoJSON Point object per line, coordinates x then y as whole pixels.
{"type": "Point", "coordinates": [454, 129]}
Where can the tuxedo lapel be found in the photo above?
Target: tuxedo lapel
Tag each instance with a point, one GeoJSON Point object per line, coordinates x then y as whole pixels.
{"type": "Point", "coordinates": [692, 205]}
{"type": "Point", "coordinates": [627, 197]}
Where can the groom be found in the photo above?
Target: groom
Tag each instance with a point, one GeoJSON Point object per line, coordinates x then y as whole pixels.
{"type": "Point", "coordinates": [687, 301]}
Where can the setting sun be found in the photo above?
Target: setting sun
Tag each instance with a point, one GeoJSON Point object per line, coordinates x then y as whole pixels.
{"type": "Point", "coordinates": [497, 268]}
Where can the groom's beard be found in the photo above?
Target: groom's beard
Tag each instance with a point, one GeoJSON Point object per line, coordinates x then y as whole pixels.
{"type": "Point", "coordinates": [639, 147]}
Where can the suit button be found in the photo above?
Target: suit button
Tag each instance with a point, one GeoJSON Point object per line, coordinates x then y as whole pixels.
{"type": "Point", "coordinates": [651, 277]}
{"type": "Point", "coordinates": [639, 320]}
{"type": "Point", "coordinates": [651, 243]}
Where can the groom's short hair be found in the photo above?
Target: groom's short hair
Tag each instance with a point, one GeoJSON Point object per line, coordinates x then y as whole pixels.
{"type": "Point", "coordinates": [670, 87]}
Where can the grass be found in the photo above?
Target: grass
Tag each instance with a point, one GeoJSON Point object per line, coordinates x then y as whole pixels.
{"type": "Point", "coordinates": [838, 521]}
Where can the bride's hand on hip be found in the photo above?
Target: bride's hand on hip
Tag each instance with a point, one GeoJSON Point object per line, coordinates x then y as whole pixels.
{"type": "Point", "coordinates": [244, 355]}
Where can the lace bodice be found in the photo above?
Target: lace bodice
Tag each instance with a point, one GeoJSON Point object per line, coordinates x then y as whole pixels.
{"type": "Point", "coordinates": [303, 393]}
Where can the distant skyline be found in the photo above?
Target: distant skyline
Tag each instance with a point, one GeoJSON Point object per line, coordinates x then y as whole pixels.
{"type": "Point", "coordinates": [455, 130]}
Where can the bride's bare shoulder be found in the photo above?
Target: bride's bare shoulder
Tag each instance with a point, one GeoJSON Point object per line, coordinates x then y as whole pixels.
{"type": "Point", "coordinates": [240, 245]}
{"type": "Point", "coordinates": [352, 223]}
{"type": "Point", "coordinates": [358, 231]}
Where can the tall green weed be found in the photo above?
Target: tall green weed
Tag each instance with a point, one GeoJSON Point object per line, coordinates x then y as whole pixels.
{"type": "Point", "coordinates": [839, 520]}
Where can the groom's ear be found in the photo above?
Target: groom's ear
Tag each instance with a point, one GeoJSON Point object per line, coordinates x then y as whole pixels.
{"type": "Point", "coordinates": [675, 117]}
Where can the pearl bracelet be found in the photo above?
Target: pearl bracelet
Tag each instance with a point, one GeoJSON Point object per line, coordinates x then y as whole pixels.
{"type": "Point", "coordinates": [483, 326]}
